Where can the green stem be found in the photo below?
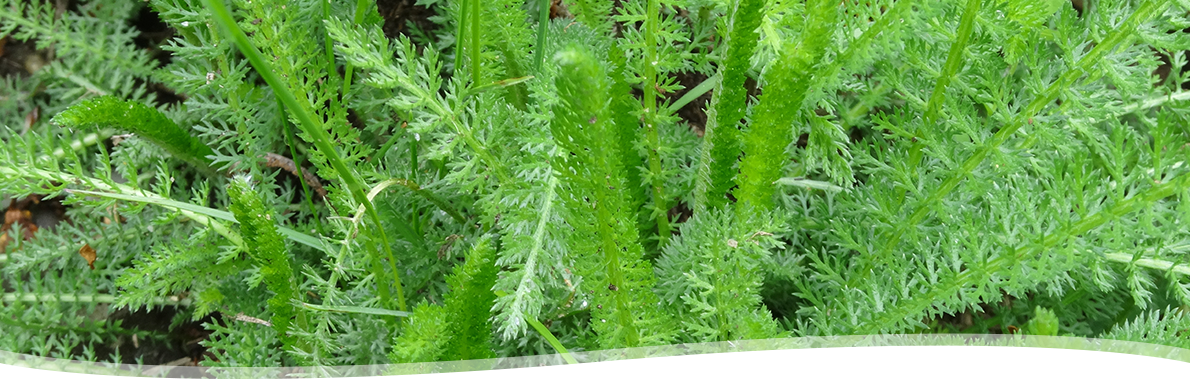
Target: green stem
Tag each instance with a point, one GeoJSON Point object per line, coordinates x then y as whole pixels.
{"type": "Point", "coordinates": [202, 215]}
{"type": "Point", "coordinates": [85, 298]}
{"type": "Point", "coordinates": [653, 136]}
{"type": "Point", "coordinates": [331, 72]}
{"type": "Point", "coordinates": [895, 315]}
{"type": "Point", "coordinates": [320, 137]}
{"type": "Point", "coordinates": [447, 114]}
{"type": "Point", "coordinates": [465, 132]}
{"type": "Point", "coordinates": [475, 42]}
{"type": "Point", "coordinates": [614, 270]}
{"type": "Point", "coordinates": [205, 216]}
{"type": "Point", "coordinates": [881, 26]}
{"type": "Point", "coordinates": [1145, 12]}
{"type": "Point", "coordinates": [1138, 106]}
{"type": "Point", "coordinates": [356, 310]}
{"type": "Point", "coordinates": [1126, 258]}
{"type": "Point", "coordinates": [954, 59]}
{"type": "Point", "coordinates": [459, 40]}
{"type": "Point", "coordinates": [441, 203]}
{"type": "Point", "coordinates": [88, 140]}
{"type": "Point", "coordinates": [413, 146]}
{"type": "Point", "coordinates": [543, 22]}
{"type": "Point", "coordinates": [361, 7]}
{"type": "Point", "coordinates": [768, 135]}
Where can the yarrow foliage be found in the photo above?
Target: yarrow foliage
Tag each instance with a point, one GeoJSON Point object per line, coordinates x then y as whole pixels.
{"type": "Point", "coordinates": [521, 179]}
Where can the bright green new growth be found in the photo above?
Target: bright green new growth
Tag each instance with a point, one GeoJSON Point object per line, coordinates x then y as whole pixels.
{"type": "Point", "coordinates": [267, 248]}
{"type": "Point", "coordinates": [1044, 322]}
{"type": "Point", "coordinates": [652, 115]}
{"type": "Point", "coordinates": [469, 303]}
{"type": "Point", "coordinates": [619, 282]}
{"type": "Point", "coordinates": [459, 330]}
{"type": "Point", "coordinates": [786, 85]}
{"type": "Point", "coordinates": [627, 131]}
{"type": "Point", "coordinates": [721, 143]}
{"type": "Point", "coordinates": [426, 333]}
{"type": "Point", "coordinates": [135, 117]}
{"type": "Point", "coordinates": [713, 274]}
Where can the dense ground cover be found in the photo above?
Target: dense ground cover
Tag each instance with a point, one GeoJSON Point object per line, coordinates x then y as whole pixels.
{"type": "Point", "coordinates": [268, 183]}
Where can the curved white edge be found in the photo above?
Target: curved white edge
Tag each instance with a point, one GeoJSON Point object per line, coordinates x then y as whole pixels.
{"type": "Point", "coordinates": [884, 356]}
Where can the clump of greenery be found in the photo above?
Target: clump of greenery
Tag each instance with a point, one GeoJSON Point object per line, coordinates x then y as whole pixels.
{"type": "Point", "coordinates": [507, 184]}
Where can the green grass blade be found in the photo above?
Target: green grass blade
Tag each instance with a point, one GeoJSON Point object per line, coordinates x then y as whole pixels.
{"type": "Point", "coordinates": [549, 337]}
{"type": "Point", "coordinates": [321, 139]}
{"type": "Point", "coordinates": [296, 236]}
{"type": "Point", "coordinates": [356, 310]}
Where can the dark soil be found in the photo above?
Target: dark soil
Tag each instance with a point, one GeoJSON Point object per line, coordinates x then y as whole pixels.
{"type": "Point", "coordinates": [181, 346]}
{"type": "Point", "coordinates": [692, 113]}
{"type": "Point", "coordinates": [17, 57]}
{"type": "Point", "coordinates": [405, 17]}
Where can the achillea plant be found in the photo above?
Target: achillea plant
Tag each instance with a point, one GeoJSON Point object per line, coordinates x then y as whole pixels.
{"type": "Point", "coordinates": [317, 192]}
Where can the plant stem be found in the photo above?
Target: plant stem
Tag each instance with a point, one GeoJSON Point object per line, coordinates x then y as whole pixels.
{"type": "Point", "coordinates": [320, 137]}
{"type": "Point", "coordinates": [543, 22]}
{"type": "Point", "coordinates": [1145, 12]}
{"type": "Point", "coordinates": [413, 146]}
{"type": "Point", "coordinates": [460, 21]}
{"type": "Point", "coordinates": [358, 18]}
{"type": "Point", "coordinates": [202, 215]}
{"type": "Point", "coordinates": [475, 42]}
{"type": "Point", "coordinates": [660, 210]}
{"type": "Point", "coordinates": [88, 140]}
{"type": "Point", "coordinates": [954, 59]}
{"type": "Point", "coordinates": [1126, 258]}
{"type": "Point", "coordinates": [884, 322]}
{"type": "Point", "coordinates": [356, 310]}
{"type": "Point", "coordinates": [85, 298]}
{"type": "Point", "coordinates": [787, 83]}
{"type": "Point", "coordinates": [332, 72]}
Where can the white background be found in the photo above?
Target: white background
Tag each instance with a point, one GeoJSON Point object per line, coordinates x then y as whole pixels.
{"type": "Point", "coordinates": [822, 363]}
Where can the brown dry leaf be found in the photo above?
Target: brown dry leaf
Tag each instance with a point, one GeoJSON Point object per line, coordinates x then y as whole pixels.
{"type": "Point", "coordinates": [13, 215]}
{"type": "Point", "coordinates": [446, 246]}
{"type": "Point", "coordinates": [31, 118]}
{"type": "Point", "coordinates": [29, 231]}
{"type": "Point", "coordinates": [18, 215]}
{"type": "Point", "coordinates": [88, 254]}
